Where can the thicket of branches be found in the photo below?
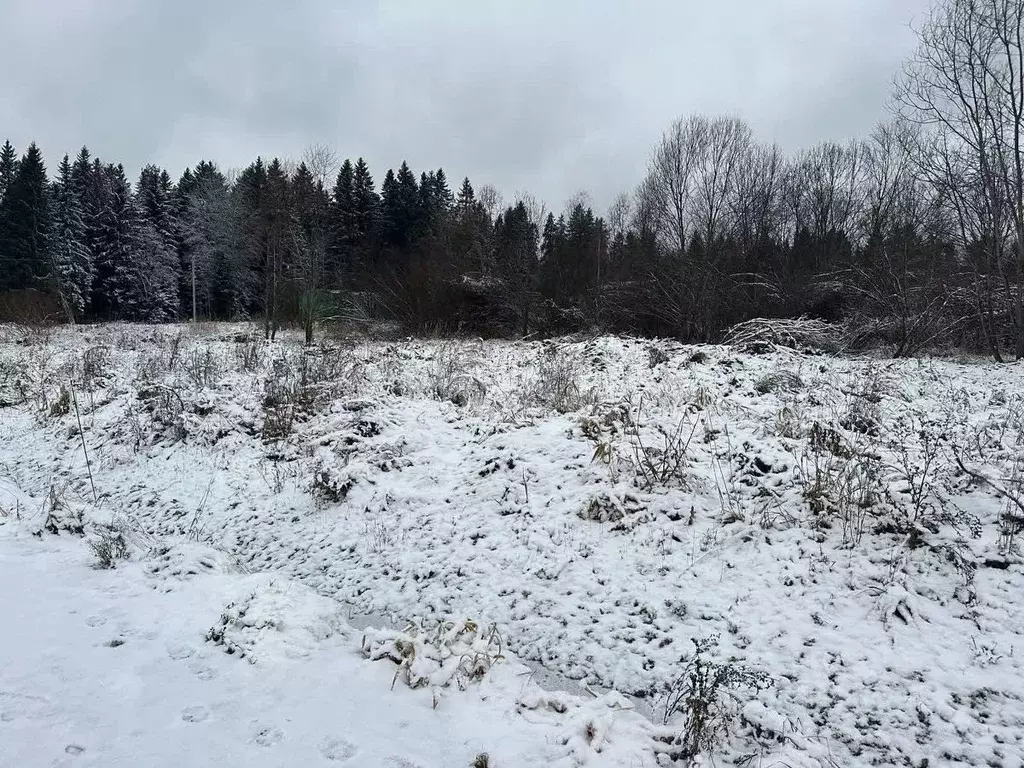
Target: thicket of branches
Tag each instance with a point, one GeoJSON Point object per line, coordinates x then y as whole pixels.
{"type": "Point", "coordinates": [913, 236]}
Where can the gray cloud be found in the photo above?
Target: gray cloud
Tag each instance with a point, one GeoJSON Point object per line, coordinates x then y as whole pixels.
{"type": "Point", "coordinates": [550, 97]}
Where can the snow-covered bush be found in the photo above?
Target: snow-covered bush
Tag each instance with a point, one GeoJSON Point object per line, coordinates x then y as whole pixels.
{"type": "Point", "coordinates": [331, 482]}
{"type": "Point", "coordinates": [662, 463]}
{"type": "Point", "coordinates": [61, 406]}
{"type": "Point", "coordinates": [249, 352]}
{"type": "Point", "coordinates": [762, 334]}
{"type": "Point", "coordinates": [13, 384]}
{"type": "Point", "coordinates": [61, 516]}
{"type": "Point", "coordinates": [166, 408]}
{"type": "Point", "coordinates": [841, 479]}
{"type": "Point", "coordinates": [109, 545]}
{"type": "Point", "coordinates": [202, 366]}
{"type": "Point", "coordinates": [95, 366]}
{"type": "Point", "coordinates": [703, 697]}
{"type": "Point", "coordinates": [779, 381]}
{"type": "Point", "coordinates": [459, 652]}
{"type": "Point", "coordinates": [557, 384]}
{"type": "Point", "coordinates": [450, 379]}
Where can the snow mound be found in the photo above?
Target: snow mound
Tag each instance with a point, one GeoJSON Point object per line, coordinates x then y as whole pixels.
{"type": "Point", "coordinates": [276, 620]}
{"type": "Point", "coordinates": [186, 560]}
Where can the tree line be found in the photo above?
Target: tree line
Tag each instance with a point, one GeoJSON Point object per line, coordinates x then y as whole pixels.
{"type": "Point", "coordinates": [913, 236]}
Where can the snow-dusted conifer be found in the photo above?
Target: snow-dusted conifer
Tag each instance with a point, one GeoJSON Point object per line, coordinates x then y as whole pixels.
{"type": "Point", "coordinates": [70, 261]}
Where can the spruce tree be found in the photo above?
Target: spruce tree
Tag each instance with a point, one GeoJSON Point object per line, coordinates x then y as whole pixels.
{"type": "Point", "coordinates": [247, 200]}
{"type": "Point", "coordinates": [182, 215]}
{"type": "Point", "coordinates": [8, 167]}
{"type": "Point", "coordinates": [276, 214]}
{"type": "Point", "coordinates": [442, 192]}
{"type": "Point", "coordinates": [516, 260]}
{"type": "Point", "coordinates": [435, 205]}
{"type": "Point", "coordinates": [471, 232]}
{"type": "Point", "coordinates": [120, 287]}
{"type": "Point", "coordinates": [390, 216]}
{"type": "Point", "coordinates": [89, 191]}
{"type": "Point", "coordinates": [427, 219]}
{"type": "Point", "coordinates": [310, 205]}
{"type": "Point", "coordinates": [25, 218]}
{"type": "Point", "coordinates": [366, 200]}
{"type": "Point", "coordinates": [216, 280]}
{"type": "Point", "coordinates": [343, 194]}
{"type": "Point", "coordinates": [367, 216]}
{"type": "Point", "coordinates": [157, 246]}
{"type": "Point", "coordinates": [344, 231]}
{"type": "Point", "coordinates": [400, 207]}
{"type": "Point", "coordinates": [70, 260]}
{"type": "Point", "coordinates": [467, 198]}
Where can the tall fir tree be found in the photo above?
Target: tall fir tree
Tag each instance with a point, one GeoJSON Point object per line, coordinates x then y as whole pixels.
{"type": "Point", "coordinates": [8, 166]}
{"type": "Point", "coordinates": [310, 205]}
{"type": "Point", "coordinates": [120, 290]}
{"type": "Point", "coordinates": [389, 223]}
{"type": "Point", "coordinates": [367, 213]}
{"type": "Point", "coordinates": [427, 218]}
{"type": "Point", "coordinates": [400, 208]}
{"type": "Point", "coordinates": [25, 218]}
{"type": "Point", "coordinates": [367, 202]}
{"type": "Point", "coordinates": [157, 246]}
{"type": "Point", "coordinates": [471, 232]}
{"type": "Point", "coordinates": [277, 220]}
{"type": "Point", "coordinates": [515, 239]}
{"type": "Point", "coordinates": [71, 266]}
{"type": "Point", "coordinates": [88, 191]}
{"type": "Point", "coordinates": [466, 199]}
{"type": "Point", "coordinates": [344, 229]}
{"type": "Point", "coordinates": [435, 205]}
{"type": "Point", "coordinates": [248, 197]}
{"type": "Point", "coordinates": [216, 279]}
{"type": "Point", "coordinates": [443, 195]}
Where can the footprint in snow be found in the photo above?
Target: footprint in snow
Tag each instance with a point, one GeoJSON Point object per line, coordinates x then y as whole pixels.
{"type": "Point", "coordinates": [399, 762]}
{"type": "Point", "coordinates": [179, 652]}
{"type": "Point", "coordinates": [18, 706]}
{"type": "Point", "coordinates": [201, 670]}
{"type": "Point", "coordinates": [268, 736]}
{"type": "Point", "coordinates": [197, 714]}
{"type": "Point", "coordinates": [337, 749]}
{"type": "Point", "coordinates": [67, 760]}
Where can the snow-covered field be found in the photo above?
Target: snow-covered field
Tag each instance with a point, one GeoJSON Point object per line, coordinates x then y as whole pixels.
{"type": "Point", "coordinates": [839, 538]}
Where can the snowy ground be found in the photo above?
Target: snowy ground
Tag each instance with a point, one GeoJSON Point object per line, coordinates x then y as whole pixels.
{"type": "Point", "coordinates": [603, 504]}
{"type": "Point", "coordinates": [110, 668]}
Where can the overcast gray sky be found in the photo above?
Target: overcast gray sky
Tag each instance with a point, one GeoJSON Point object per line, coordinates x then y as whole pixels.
{"type": "Point", "coordinates": [549, 96]}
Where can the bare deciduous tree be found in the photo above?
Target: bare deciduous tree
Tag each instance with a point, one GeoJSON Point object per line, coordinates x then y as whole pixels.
{"type": "Point", "coordinates": [965, 87]}
{"type": "Point", "coordinates": [491, 199]}
{"type": "Point", "coordinates": [619, 213]}
{"type": "Point", "coordinates": [669, 181]}
{"type": "Point", "coordinates": [724, 143]}
{"type": "Point", "coordinates": [323, 163]}
{"type": "Point", "coordinates": [579, 198]}
{"type": "Point", "coordinates": [756, 208]}
{"type": "Point", "coordinates": [691, 176]}
{"type": "Point", "coordinates": [891, 191]}
{"type": "Point", "coordinates": [536, 210]}
{"type": "Point", "coordinates": [827, 189]}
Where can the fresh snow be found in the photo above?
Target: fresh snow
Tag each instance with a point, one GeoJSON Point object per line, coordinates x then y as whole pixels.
{"type": "Point", "coordinates": [499, 482]}
{"type": "Point", "coordinates": [110, 668]}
